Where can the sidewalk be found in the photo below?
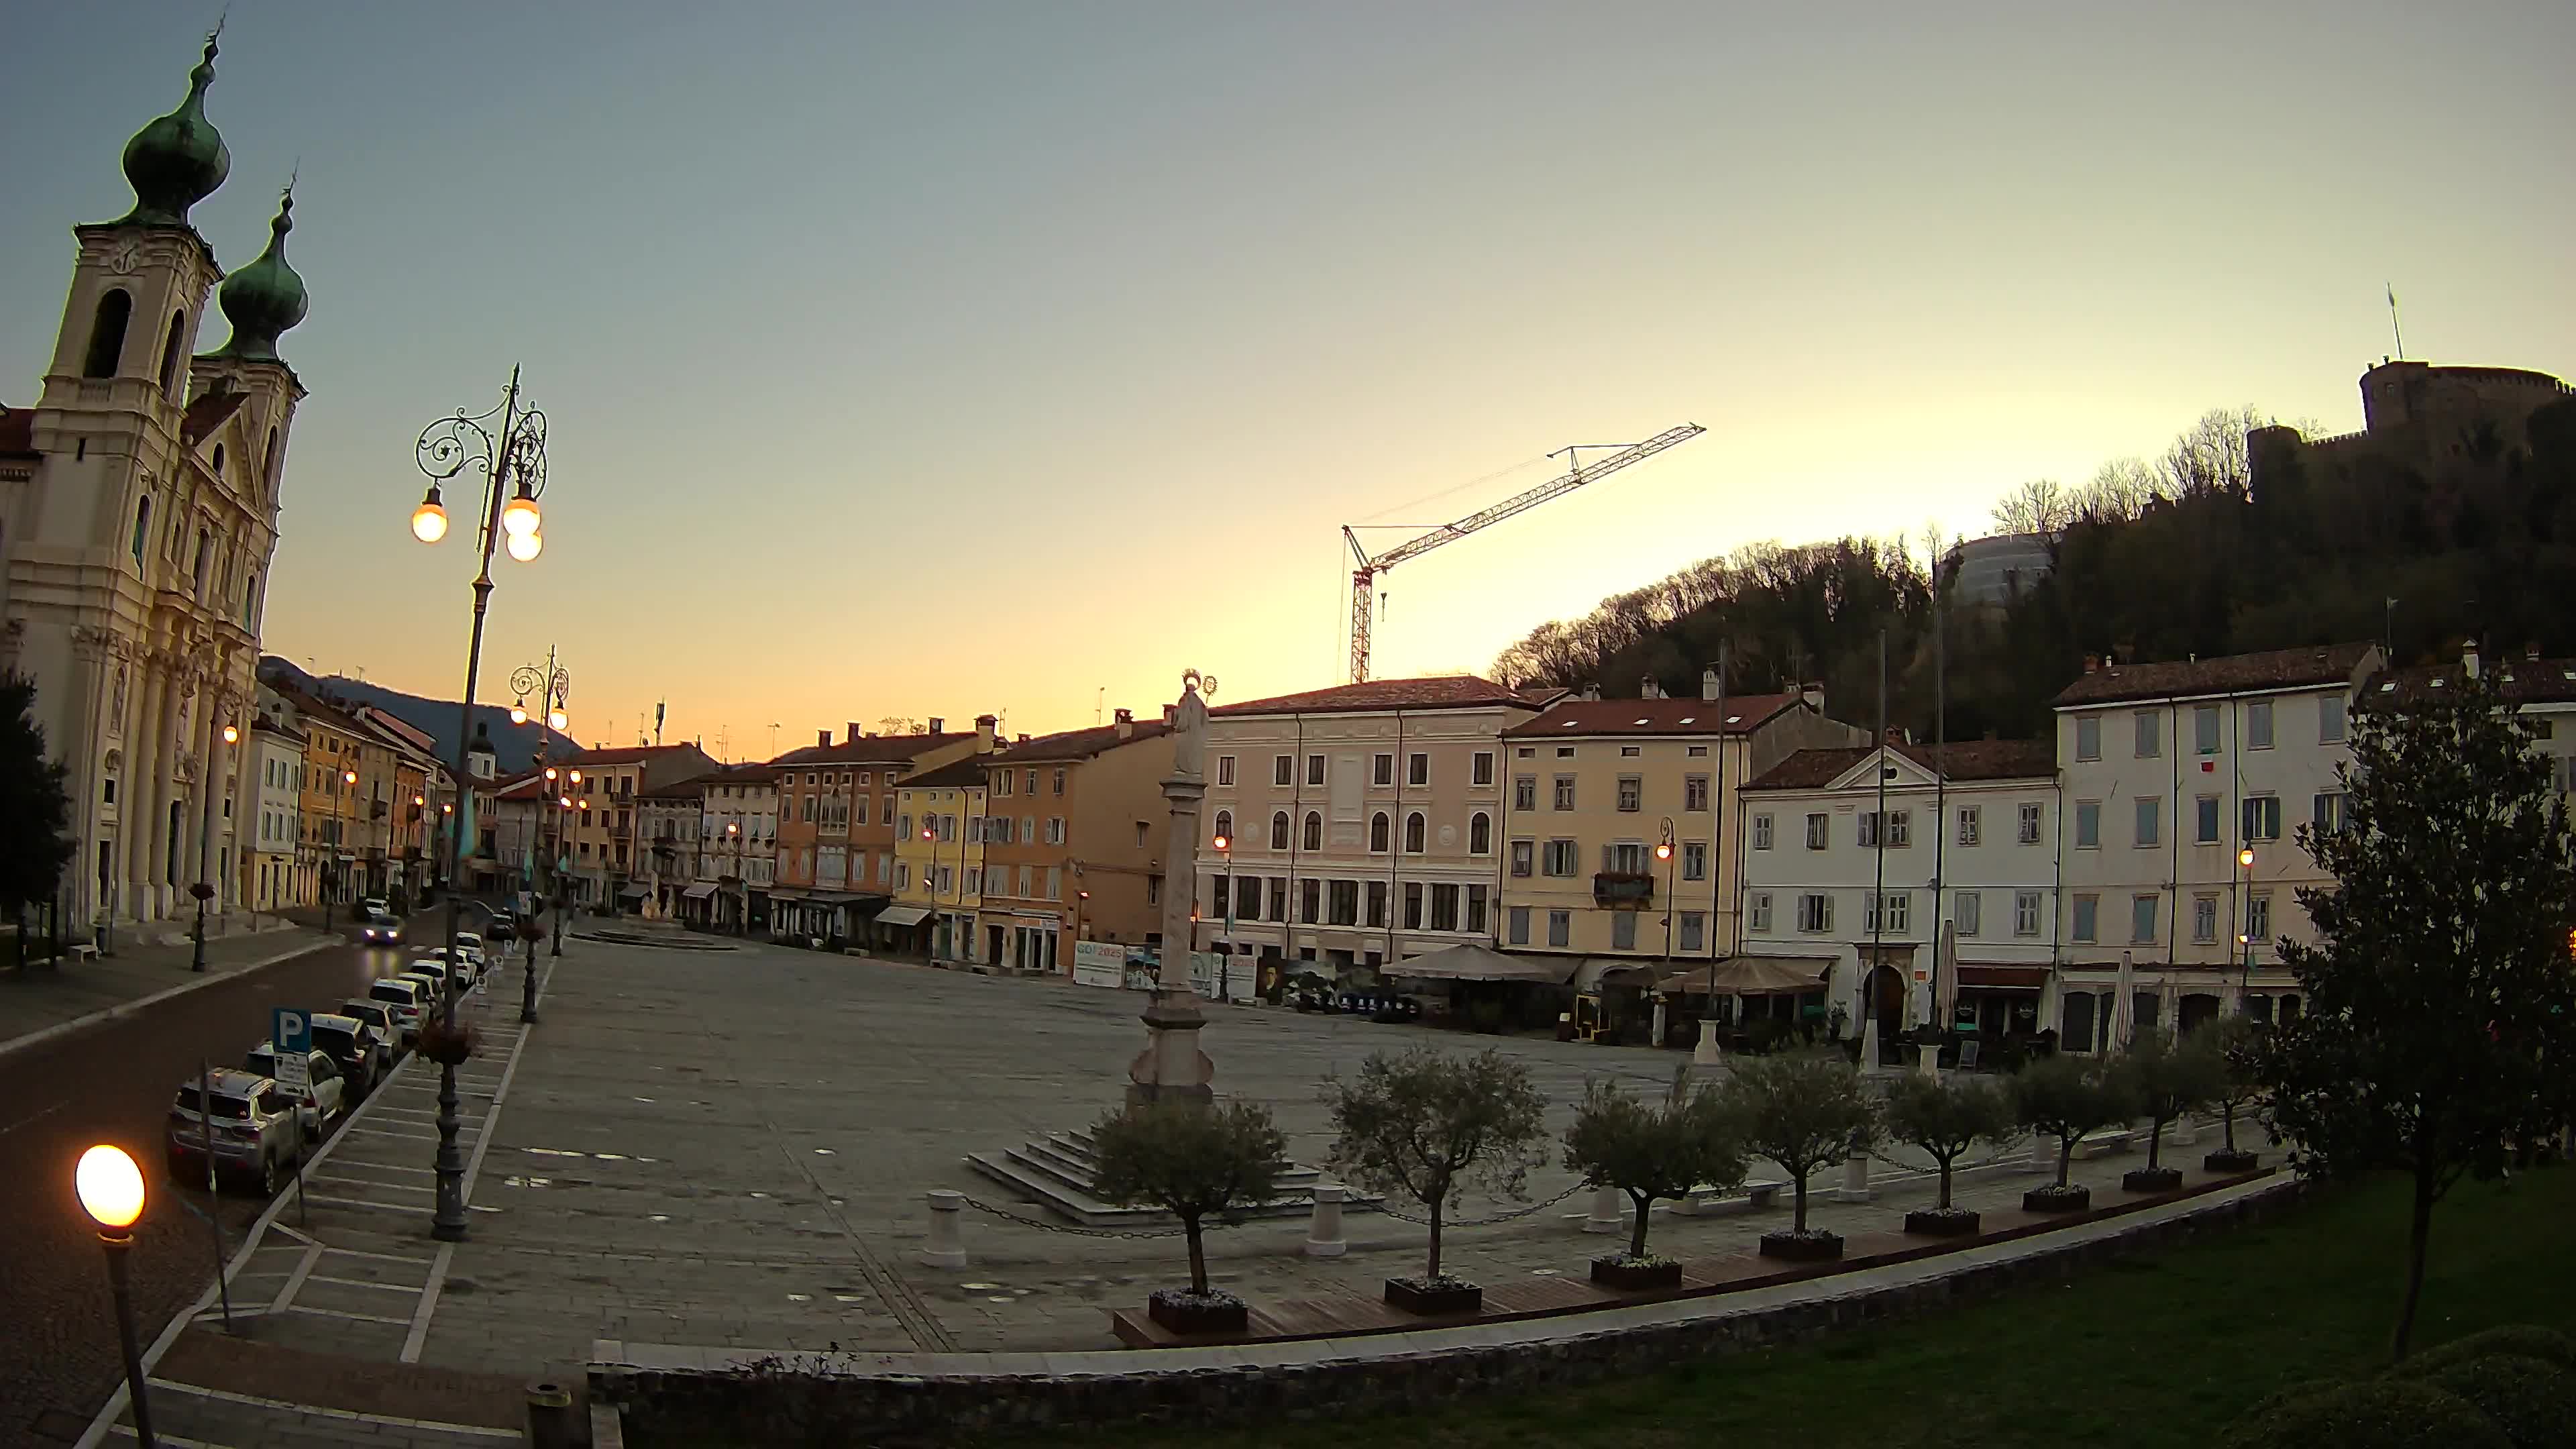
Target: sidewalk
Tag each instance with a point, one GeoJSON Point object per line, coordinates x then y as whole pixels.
{"type": "Point", "coordinates": [45, 1001]}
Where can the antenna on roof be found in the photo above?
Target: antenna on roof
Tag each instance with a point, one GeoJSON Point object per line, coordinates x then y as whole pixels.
{"type": "Point", "coordinates": [2398, 332]}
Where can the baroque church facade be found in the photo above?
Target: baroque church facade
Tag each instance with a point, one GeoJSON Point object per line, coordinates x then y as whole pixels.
{"type": "Point", "coordinates": [138, 519]}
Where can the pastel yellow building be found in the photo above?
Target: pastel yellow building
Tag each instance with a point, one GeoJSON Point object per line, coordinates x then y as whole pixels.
{"type": "Point", "coordinates": [1593, 791]}
{"type": "Point", "coordinates": [939, 860]}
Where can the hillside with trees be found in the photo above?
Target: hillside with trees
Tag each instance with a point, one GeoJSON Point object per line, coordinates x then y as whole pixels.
{"type": "Point", "coordinates": [2158, 558]}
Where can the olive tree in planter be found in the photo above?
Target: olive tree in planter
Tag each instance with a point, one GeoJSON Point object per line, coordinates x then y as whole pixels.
{"type": "Point", "coordinates": [1651, 1152]}
{"type": "Point", "coordinates": [2167, 1076]}
{"type": "Point", "coordinates": [2235, 1040]}
{"type": "Point", "coordinates": [1426, 1124]}
{"type": "Point", "coordinates": [2065, 1097]}
{"type": "Point", "coordinates": [1805, 1112]}
{"type": "Point", "coordinates": [1945, 1116]}
{"type": "Point", "coordinates": [1191, 1160]}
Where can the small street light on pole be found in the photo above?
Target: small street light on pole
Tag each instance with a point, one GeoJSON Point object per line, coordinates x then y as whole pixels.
{"type": "Point", "coordinates": [1225, 943]}
{"type": "Point", "coordinates": [111, 1192]}
{"type": "Point", "coordinates": [553, 687]}
{"type": "Point", "coordinates": [515, 458]}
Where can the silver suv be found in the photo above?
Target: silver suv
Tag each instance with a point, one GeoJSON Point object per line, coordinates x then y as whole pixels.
{"type": "Point", "coordinates": [257, 1131]}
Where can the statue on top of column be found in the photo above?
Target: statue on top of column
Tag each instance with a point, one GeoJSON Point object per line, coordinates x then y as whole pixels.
{"type": "Point", "coordinates": [1189, 725]}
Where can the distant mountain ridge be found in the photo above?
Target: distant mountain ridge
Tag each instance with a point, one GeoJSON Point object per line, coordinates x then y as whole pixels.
{"type": "Point", "coordinates": [514, 747]}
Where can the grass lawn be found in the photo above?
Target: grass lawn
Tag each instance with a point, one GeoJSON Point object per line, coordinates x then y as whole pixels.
{"type": "Point", "coordinates": [2151, 1352]}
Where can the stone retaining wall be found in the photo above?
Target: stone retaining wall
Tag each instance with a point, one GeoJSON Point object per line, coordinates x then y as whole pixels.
{"type": "Point", "coordinates": [906, 1399]}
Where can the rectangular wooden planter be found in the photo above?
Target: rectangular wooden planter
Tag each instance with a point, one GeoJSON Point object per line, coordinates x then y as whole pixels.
{"type": "Point", "coordinates": [1434, 1302]}
{"type": "Point", "coordinates": [1637, 1277]}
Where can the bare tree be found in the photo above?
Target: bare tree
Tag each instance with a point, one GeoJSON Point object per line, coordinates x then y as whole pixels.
{"type": "Point", "coordinates": [2041, 506]}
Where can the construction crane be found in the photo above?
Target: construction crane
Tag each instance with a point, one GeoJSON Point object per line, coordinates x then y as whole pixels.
{"type": "Point", "coordinates": [1364, 577]}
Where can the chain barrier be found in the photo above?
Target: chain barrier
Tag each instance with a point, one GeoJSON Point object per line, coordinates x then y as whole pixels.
{"type": "Point", "coordinates": [1447, 1223]}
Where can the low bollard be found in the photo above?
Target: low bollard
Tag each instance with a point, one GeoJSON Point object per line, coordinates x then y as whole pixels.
{"type": "Point", "coordinates": [1605, 1215]}
{"type": "Point", "coordinates": [1928, 1062]}
{"type": "Point", "coordinates": [947, 1230]}
{"type": "Point", "coordinates": [550, 1416]}
{"type": "Point", "coordinates": [1324, 1231]}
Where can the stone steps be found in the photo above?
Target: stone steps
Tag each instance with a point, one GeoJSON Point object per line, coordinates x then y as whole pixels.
{"type": "Point", "coordinates": [1058, 1171]}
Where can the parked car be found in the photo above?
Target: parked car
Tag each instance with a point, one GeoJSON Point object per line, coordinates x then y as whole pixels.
{"type": "Point", "coordinates": [359, 1050]}
{"type": "Point", "coordinates": [375, 904]}
{"type": "Point", "coordinates": [379, 1018]}
{"type": "Point", "coordinates": [256, 1132]}
{"type": "Point", "coordinates": [505, 926]}
{"type": "Point", "coordinates": [470, 946]}
{"type": "Point", "coordinates": [376, 928]}
{"type": "Point", "coordinates": [324, 1094]}
{"type": "Point", "coordinates": [404, 999]}
{"type": "Point", "coordinates": [432, 979]}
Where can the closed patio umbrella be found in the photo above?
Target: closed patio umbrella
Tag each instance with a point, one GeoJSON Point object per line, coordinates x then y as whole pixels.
{"type": "Point", "coordinates": [2124, 1007]}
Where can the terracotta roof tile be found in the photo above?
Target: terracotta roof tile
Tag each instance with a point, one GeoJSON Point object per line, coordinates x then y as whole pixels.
{"type": "Point", "coordinates": [626, 755]}
{"type": "Point", "coordinates": [1575, 718]}
{"type": "Point", "coordinates": [1450, 691]}
{"type": "Point", "coordinates": [207, 413]}
{"type": "Point", "coordinates": [1078, 744]}
{"type": "Point", "coordinates": [2228, 674]}
{"type": "Point", "coordinates": [870, 750]}
{"type": "Point", "coordinates": [2524, 681]}
{"type": "Point", "coordinates": [1965, 760]}
{"type": "Point", "coordinates": [968, 771]}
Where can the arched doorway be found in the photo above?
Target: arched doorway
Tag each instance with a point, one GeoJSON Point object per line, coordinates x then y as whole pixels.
{"type": "Point", "coordinates": [1884, 990]}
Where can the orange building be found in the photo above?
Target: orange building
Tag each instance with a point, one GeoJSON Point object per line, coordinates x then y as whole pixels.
{"type": "Point", "coordinates": [607, 867]}
{"type": "Point", "coordinates": [834, 868]}
{"type": "Point", "coordinates": [1073, 837]}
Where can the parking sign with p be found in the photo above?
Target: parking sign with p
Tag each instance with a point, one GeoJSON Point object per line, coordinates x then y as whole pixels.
{"type": "Point", "coordinates": [290, 1030]}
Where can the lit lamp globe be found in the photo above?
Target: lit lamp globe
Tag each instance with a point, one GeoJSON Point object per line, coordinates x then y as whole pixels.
{"type": "Point", "coordinates": [519, 516]}
{"type": "Point", "coordinates": [232, 735]}
{"type": "Point", "coordinates": [1222, 842]}
{"type": "Point", "coordinates": [349, 775]}
{"type": "Point", "coordinates": [518, 714]}
{"type": "Point", "coordinates": [429, 520]}
{"type": "Point", "coordinates": [1664, 850]}
{"type": "Point", "coordinates": [110, 1187]}
{"type": "Point", "coordinates": [526, 546]}
{"type": "Point", "coordinates": [560, 720]}
{"type": "Point", "coordinates": [2245, 857]}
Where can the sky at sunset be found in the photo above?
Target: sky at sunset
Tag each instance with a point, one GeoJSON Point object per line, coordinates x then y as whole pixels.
{"type": "Point", "coordinates": [949, 358]}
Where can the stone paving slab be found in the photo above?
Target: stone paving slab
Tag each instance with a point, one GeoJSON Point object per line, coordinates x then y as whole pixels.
{"type": "Point", "coordinates": [43, 1002]}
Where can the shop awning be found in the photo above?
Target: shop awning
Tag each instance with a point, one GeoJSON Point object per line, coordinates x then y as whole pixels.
{"type": "Point", "coordinates": [1752, 976]}
{"type": "Point", "coordinates": [2002, 978]}
{"type": "Point", "coordinates": [635, 892]}
{"type": "Point", "coordinates": [903, 915]}
{"type": "Point", "coordinates": [1477, 963]}
{"type": "Point", "coordinates": [699, 892]}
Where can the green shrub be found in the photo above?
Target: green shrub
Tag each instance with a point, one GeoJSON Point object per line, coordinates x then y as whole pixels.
{"type": "Point", "coordinates": [2382, 1414]}
{"type": "Point", "coordinates": [2532, 1400]}
{"type": "Point", "coordinates": [2520, 1340]}
{"type": "Point", "coordinates": [2305, 1388]}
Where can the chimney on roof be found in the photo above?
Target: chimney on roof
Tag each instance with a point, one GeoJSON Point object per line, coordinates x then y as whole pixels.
{"type": "Point", "coordinates": [854, 731]}
{"type": "Point", "coordinates": [1649, 689]}
{"type": "Point", "coordinates": [1023, 739]}
{"type": "Point", "coordinates": [1814, 695]}
{"type": "Point", "coordinates": [2092, 663]}
{"type": "Point", "coordinates": [1591, 692]}
{"type": "Point", "coordinates": [938, 726]}
{"type": "Point", "coordinates": [823, 737]}
{"type": "Point", "coordinates": [2531, 652]}
{"type": "Point", "coordinates": [984, 724]}
{"type": "Point", "coordinates": [1126, 723]}
{"type": "Point", "coordinates": [1896, 735]}
{"type": "Point", "coordinates": [2469, 658]}
{"type": "Point", "coordinates": [1708, 684]}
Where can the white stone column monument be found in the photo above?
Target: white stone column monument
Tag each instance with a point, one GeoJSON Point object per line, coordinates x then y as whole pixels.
{"type": "Point", "coordinates": [1172, 1067]}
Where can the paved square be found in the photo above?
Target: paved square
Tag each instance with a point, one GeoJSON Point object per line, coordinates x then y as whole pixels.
{"type": "Point", "coordinates": [731, 1148]}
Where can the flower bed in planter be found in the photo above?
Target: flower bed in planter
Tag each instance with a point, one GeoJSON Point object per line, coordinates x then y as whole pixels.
{"type": "Point", "coordinates": [2151, 1179]}
{"type": "Point", "coordinates": [2073, 1199]}
{"type": "Point", "coordinates": [1636, 1274]}
{"type": "Point", "coordinates": [1815, 1245]}
{"type": "Point", "coordinates": [2224, 1160]}
{"type": "Point", "coordinates": [1183, 1311]}
{"type": "Point", "coordinates": [1951, 1222]}
{"type": "Point", "coordinates": [446, 1043]}
{"type": "Point", "coordinates": [1434, 1295]}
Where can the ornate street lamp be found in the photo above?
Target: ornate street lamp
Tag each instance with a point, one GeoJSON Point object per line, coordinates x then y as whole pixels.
{"type": "Point", "coordinates": [111, 1192]}
{"type": "Point", "coordinates": [552, 685]}
{"type": "Point", "coordinates": [508, 446]}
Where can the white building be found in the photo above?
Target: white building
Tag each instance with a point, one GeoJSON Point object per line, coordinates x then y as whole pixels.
{"type": "Point", "coordinates": [2183, 785]}
{"type": "Point", "coordinates": [273, 812]}
{"type": "Point", "coordinates": [738, 843]}
{"type": "Point", "coordinates": [138, 514]}
{"type": "Point", "coordinates": [1319, 793]}
{"type": "Point", "coordinates": [1858, 901]}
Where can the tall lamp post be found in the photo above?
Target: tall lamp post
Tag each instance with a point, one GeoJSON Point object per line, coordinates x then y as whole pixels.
{"type": "Point", "coordinates": [111, 1192]}
{"type": "Point", "coordinates": [733, 834]}
{"type": "Point", "coordinates": [2245, 919]}
{"type": "Point", "coordinates": [513, 465]}
{"type": "Point", "coordinates": [553, 687]}
{"type": "Point", "coordinates": [202, 890]}
{"type": "Point", "coordinates": [1225, 942]}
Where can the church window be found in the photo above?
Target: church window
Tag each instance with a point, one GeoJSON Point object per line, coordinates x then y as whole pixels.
{"type": "Point", "coordinates": [107, 333]}
{"type": "Point", "coordinates": [219, 460]}
{"type": "Point", "coordinates": [205, 555]}
{"type": "Point", "coordinates": [269, 459]}
{"type": "Point", "coordinates": [142, 527]}
{"type": "Point", "coordinates": [170, 355]}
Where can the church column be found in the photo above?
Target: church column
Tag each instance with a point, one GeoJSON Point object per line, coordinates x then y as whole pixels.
{"type": "Point", "coordinates": [82, 748]}
{"type": "Point", "coordinates": [141, 813]}
{"type": "Point", "coordinates": [169, 743]}
{"type": "Point", "coordinates": [205, 808]}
